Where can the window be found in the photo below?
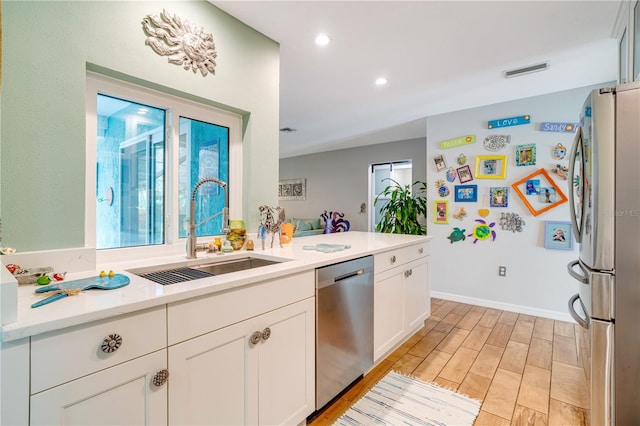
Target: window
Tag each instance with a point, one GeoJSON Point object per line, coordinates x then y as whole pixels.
{"type": "Point", "coordinates": [146, 152]}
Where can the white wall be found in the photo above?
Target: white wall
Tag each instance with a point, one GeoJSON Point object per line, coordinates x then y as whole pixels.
{"type": "Point", "coordinates": [537, 281]}
{"type": "Point", "coordinates": [338, 180]}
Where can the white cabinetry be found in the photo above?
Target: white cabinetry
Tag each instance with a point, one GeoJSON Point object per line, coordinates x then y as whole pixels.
{"type": "Point", "coordinates": [401, 295]}
{"type": "Point", "coordinates": [241, 356]}
{"type": "Point", "coordinates": [256, 369]}
{"type": "Point", "coordinates": [253, 372]}
{"type": "Point", "coordinates": [102, 372]}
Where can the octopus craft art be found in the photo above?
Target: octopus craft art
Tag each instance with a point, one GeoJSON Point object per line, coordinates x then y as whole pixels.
{"type": "Point", "coordinates": [334, 222]}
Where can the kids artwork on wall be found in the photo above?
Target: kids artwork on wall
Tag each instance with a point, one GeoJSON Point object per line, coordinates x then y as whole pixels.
{"type": "Point", "coordinates": [559, 152]}
{"type": "Point", "coordinates": [557, 235]}
{"type": "Point", "coordinates": [499, 196]}
{"type": "Point", "coordinates": [461, 214]}
{"type": "Point", "coordinates": [511, 222]}
{"type": "Point", "coordinates": [491, 166]}
{"type": "Point", "coordinates": [526, 155]}
{"type": "Point", "coordinates": [483, 231]}
{"type": "Point", "coordinates": [466, 193]}
{"type": "Point", "coordinates": [539, 192]}
{"type": "Point", "coordinates": [457, 235]}
{"type": "Point", "coordinates": [443, 190]}
{"type": "Point", "coordinates": [451, 174]}
{"type": "Point", "coordinates": [496, 142]}
{"type": "Point", "coordinates": [441, 211]}
{"type": "Point", "coordinates": [440, 163]}
{"type": "Point", "coordinates": [464, 174]}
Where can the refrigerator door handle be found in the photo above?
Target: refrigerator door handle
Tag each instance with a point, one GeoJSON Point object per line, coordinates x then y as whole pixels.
{"type": "Point", "coordinates": [582, 278]}
{"type": "Point", "coordinates": [582, 322]}
{"type": "Point", "coordinates": [572, 206]}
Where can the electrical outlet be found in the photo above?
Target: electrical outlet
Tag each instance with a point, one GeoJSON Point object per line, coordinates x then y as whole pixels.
{"type": "Point", "coordinates": [502, 271]}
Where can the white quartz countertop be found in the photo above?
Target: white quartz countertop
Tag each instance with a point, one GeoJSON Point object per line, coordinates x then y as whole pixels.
{"type": "Point", "coordinates": [142, 294]}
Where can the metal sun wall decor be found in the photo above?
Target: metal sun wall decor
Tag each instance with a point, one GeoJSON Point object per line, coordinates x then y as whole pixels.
{"type": "Point", "coordinates": [184, 44]}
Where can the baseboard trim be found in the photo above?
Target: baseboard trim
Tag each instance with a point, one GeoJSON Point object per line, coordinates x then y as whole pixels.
{"type": "Point", "coordinates": [545, 313]}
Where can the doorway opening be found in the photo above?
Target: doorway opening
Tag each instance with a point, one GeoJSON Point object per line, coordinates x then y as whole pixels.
{"type": "Point", "coordinates": [379, 175]}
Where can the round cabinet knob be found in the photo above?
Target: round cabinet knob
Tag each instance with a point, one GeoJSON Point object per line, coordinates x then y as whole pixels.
{"type": "Point", "coordinates": [255, 337]}
{"type": "Point", "coordinates": [160, 378]}
{"type": "Point", "coordinates": [111, 343]}
{"type": "Point", "coordinates": [266, 333]}
{"type": "Point", "coordinates": [393, 259]}
{"type": "Point", "coordinates": [421, 250]}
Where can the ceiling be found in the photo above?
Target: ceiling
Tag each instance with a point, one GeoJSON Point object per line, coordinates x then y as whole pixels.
{"type": "Point", "coordinates": [438, 56]}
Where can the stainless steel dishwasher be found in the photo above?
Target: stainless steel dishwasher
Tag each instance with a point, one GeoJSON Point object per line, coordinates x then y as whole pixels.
{"type": "Point", "coordinates": [344, 326]}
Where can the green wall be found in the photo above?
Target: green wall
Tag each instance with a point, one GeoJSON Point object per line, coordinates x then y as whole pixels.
{"type": "Point", "coordinates": [48, 47]}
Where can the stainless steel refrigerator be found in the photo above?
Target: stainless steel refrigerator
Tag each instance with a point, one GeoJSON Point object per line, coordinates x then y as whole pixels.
{"type": "Point", "coordinates": [605, 210]}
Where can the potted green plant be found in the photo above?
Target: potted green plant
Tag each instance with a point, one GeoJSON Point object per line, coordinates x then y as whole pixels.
{"type": "Point", "coordinates": [404, 210]}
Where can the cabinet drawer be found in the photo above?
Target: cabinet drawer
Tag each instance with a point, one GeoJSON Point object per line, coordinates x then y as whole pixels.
{"type": "Point", "coordinates": [195, 317]}
{"type": "Point", "coordinates": [392, 258]}
{"type": "Point", "coordinates": [60, 356]}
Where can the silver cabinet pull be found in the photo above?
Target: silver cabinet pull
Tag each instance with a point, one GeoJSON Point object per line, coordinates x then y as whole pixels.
{"type": "Point", "coordinates": [160, 378]}
{"type": "Point", "coordinates": [111, 343]}
{"type": "Point", "coordinates": [393, 259]}
{"type": "Point", "coordinates": [408, 273]}
{"type": "Point", "coordinates": [266, 333]}
{"type": "Point", "coordinates": [255, 337]}
{"type": "Point", "coordinates": [421, 250]}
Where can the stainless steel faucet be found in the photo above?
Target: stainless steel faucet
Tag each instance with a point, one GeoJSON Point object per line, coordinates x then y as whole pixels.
{"type": "Point", "coordinates": [192, 242]}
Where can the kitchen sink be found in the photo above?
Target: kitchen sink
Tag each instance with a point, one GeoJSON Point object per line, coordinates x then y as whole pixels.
{"type": "Point", "coordinates": [193, 270]}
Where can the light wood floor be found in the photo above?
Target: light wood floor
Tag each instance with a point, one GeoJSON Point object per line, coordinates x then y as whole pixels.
{"type": "Point", "coordinates": [524, 369]}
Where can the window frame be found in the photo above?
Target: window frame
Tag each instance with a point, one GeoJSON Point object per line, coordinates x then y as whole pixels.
{"type": "Point", "coordinates": [175, 108]}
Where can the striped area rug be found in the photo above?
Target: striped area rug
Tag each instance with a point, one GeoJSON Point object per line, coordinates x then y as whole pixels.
{"type": "Point", "coordinates": [400, 400]}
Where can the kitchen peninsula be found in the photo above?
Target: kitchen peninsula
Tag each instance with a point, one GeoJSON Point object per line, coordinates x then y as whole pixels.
{"type": "Point", "coordinates": [229, 349]}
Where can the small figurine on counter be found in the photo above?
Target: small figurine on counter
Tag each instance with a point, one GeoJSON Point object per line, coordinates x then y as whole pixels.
{"type": "Point", "coordinates": [271, 219]}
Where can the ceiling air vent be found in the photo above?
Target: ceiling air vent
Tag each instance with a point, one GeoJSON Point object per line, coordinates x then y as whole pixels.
{"type": "Point", "coordinates": [526, 70]}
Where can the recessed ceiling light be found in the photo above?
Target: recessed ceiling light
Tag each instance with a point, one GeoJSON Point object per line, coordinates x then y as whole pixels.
{"type": "Point", "coordinates": [381, 81]}
{"type": "Point", "coordinates": [322, 39]}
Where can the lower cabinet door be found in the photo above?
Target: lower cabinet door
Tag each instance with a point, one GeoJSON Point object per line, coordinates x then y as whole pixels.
{"type": "Point", "coordinates": [388, 323]}
{"type": "Point", "coordinates": [258, 371]}
{"type": "Point", "coordinates": [417, 301]}
{"type": "Point", "coordinates": [287, 365]}
{"type": "Point", "coordinates": [209, 378]}
{"type": "Point", "coordinates": [121, 395]}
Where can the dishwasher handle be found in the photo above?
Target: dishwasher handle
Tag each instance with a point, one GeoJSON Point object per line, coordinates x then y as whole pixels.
{"type": "Point", "coordinates": [349, 275]}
